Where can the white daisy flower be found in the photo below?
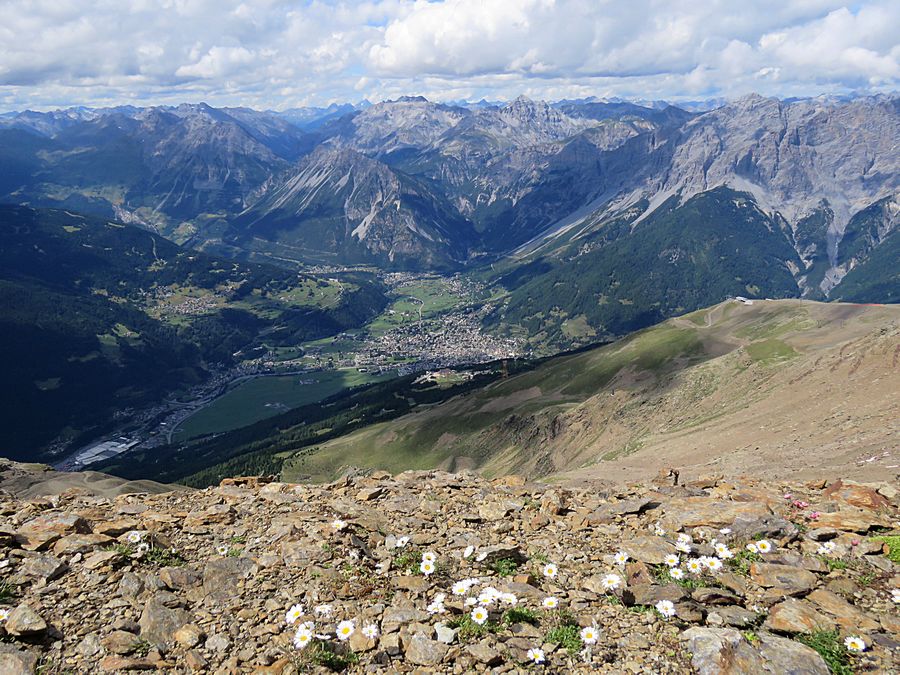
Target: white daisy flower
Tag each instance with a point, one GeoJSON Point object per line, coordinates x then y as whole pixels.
{"type": "Point", "coordinates": [714, 565]}
{"type": "Point", "coordinates": [488, 595]}
{"type": "Point", "coordinates": [694, 566]}
{"type": "Point", "coordinates": [683, 546]}
{"type": "Point", "coordinates": [621, 558]}
{"type": "Point", "coordinates": [338, 524]}
{"type": "Point", "coordinates": [725, 531]}
{"type": "Point", "coordinates": [666, 608]}
{"type": "Point", "coordinates": [134, 537]}
{"type": "Point", "coordinates": [222, 549]}
{"type": "Point", "coordinates": [508, 599]}
{"type": "Point", "coordinates": [589, 635]}
{"type": "Point", "coordinates": [672, 560]}
{"type": "Point", "coordinates": [658, 530]}
{"type": "Point", "coordinates": [469, 551]}
{"type": "Point", "coordinates": [401, 542]}
{"type": "Point", "coordinates": [479, 615]}
{"type": "Point", "coordinates": [459, 588]}
{"type": "Point", "coordinates": [370, 631]}
{"type": "Point", "coordinates": [436, 607]}
{"type": "Point", "coordinates": [763, 546]}
{"type": "Point", "coordinates": [427, 567]}
{"type": "Point", "coordinates": [684, 538]}
{"type": "Point", "coordinates": [344, 630]}
{"type": "Point", "coordinates": [323, 610]}
{"type": "Point", "coordinates": [430, 556]}
{"type": "Point", "coordinates": [855, 644]}
{"type": "Point", "coordinates": [753, 548]}
{"type": "Point", "coordinates": [550, 570]}
{"type": "Point", "coordinates": [676, 573]}
{"type": "Point", "coordinates": [303, 637]}
{"type": "Point", "coordinates": [471, 601]}
{"type": "Point", "coordinates": [294, 613]}
{"type": "Point", "coordinates": [550, 602]}
{"type": "Point", "coordinates": [611, 582]}
{"type": "Point", "coordinates": [143, 547]}
{"type": "Point", "coordinates": [826, 548]}
{"type": "Point", "coordinates": [535, 655]}
{"type": "Point", "coordinates": [723, 551]}
{"type": "Point", "coordinates": [4, 614]}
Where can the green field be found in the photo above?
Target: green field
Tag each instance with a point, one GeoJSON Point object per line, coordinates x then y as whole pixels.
{"type": "Point", "coordinates": [261, 397]}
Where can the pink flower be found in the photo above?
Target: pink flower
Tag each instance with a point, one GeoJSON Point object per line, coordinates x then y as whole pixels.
{"type": "Point", "coordinates": [789, 496]}
{"type": "Point", "coordinates": [813, 515]}
{"type": "Point", "coordinates": [855, 542]}
{"type": "Point", "coordinates": [800, 504]}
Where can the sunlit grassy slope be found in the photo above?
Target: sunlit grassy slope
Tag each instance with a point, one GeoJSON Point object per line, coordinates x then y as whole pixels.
{"type": "Point", "coordinates": [703, 382]}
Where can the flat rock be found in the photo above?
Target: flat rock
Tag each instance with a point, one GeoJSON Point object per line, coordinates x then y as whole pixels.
{"type": "Point", "coordinates": [653, 593]}
{"type": "Point", "coordinates": [855, 520]}
{"type": "Point", "coordinates": [15, 661]}
{"type": "Point", "coordinates": [789, 580]}
{"type": "Point", "coordinates": [711, 595]}
{"type": "Point", "coordinates": [724, 651]}
{"type": "Point", "coordinates": [80, 543]}
{"type": "Point", "coordinates": [423, 651]}
{"type": "Point", "coordinates": [222, 576]}
{"type": "Point", "coordinates": [491, 554]}
{"type": "Point", "coordinates": [699, 511]}
{"type": "Point", "coordinates": [860, 496]}
{"type": "Point", "coordinates": [845, 615]}
{"type": "Point", "coordinates": [650, 550]}
{"type": "Point", "coordinates": [45, 567]}
{"type": "Point", "coordinates": [394, 617]}
{"type": "Point", "coordinates": [25, 621]}
{"type": "Point", "coordinates": [39, 533]}
{"type": "Point", "coordinates": [121, 642]}
{"type": "Point", "coordinates": [117, 663]}
{"type": "Point", "coordinates": [484, 653]}
{"type": "Point", "coordinates": [733, 615]}
{"type": "Point", "coordinates": [795, 616]}
{"type": "Point", "coordinates": [159, 622]}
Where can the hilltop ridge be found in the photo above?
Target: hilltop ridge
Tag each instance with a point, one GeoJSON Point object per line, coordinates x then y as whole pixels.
{"type": "Point", "coordinates": [772, 388]}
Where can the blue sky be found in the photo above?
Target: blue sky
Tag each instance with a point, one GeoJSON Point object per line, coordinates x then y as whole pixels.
{"type": "Point", "coordinates": [289, 53]}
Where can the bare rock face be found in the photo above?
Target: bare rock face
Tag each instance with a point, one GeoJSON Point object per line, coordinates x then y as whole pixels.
{"type": "Point", "coordinates": [231, 595]}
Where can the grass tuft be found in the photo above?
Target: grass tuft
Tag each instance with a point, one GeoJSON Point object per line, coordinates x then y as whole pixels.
{"type": "Point", "coordinates": [830, 647]}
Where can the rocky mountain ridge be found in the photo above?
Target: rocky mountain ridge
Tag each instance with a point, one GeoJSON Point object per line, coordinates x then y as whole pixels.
{"type": "Point", "coordinates": [375, 573]}
{"type": "Point", "coordinates": [525, 172]}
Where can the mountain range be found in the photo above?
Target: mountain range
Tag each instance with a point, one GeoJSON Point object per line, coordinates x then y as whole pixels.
{"type": "Point", "coordinates": [411, 184]}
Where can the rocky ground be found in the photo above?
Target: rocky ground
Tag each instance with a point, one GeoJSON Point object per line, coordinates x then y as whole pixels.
{"type": "Point", "coordinates": [205, 581]}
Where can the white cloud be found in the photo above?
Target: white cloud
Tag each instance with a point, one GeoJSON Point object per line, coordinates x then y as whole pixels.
{"type": "Point", "coordinates": [279, 53]}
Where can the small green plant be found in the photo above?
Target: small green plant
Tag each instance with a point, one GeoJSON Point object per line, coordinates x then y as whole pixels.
{"type": "Point", "coordinates": [7, 592]}
{"type": "Point", "coordinates": [519, 615]}
{"type": "Point", "coordinates": [639, 609]}
{"type": "Point", "coordinates": [504, 567]}
{"type": "Point", "coordinates": [750, 636]}
{"type": "Point", "coordinates": [539, 557]}
{"type": "Point", "coordinates": [893, 544]}
{"type": "Point", "coordinates": [408, 559]}
{"type": "Point", "coordinates": [829, 646]}
{"type": "Point", "coordinates": [833, 563]}
{"type": "Point", "coordinates": [233, 552]}
{"type": "Point", "coordinates": [142, 647]}
{"type": "Point", "coordinates": [124, 549]}
{"type": "Point", "coordinates": [866, 578]}
{"type": "Point", "coordinates": [566, 636]}
{"type": "Point", "coordinates": [742, 560]}
{"type": "Point", "coordinates": [238, 539]}
{"type": "Point", "coordinates": [324, 654]}
{"type": "Point", "coordinates": [468, 629]}
{"type": "Point", "coordinates": [163, 557]}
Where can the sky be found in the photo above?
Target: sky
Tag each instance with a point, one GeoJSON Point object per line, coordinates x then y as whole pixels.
{"type": "Point", "coordinates": [278, 54]}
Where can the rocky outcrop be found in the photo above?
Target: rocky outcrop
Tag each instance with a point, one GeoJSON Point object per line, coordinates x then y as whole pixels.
{"type": "Point", "coordinates": [451, 573]}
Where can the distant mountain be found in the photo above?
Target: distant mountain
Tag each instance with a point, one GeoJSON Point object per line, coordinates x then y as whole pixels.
{"type": "Point", "coordinates": [508, 184]}
{"type": "Point", "coordinates": [97, 316]}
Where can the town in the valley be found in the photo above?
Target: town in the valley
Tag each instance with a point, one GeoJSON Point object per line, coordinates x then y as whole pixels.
{"type": "Point", "coordinates": [409, 337]}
